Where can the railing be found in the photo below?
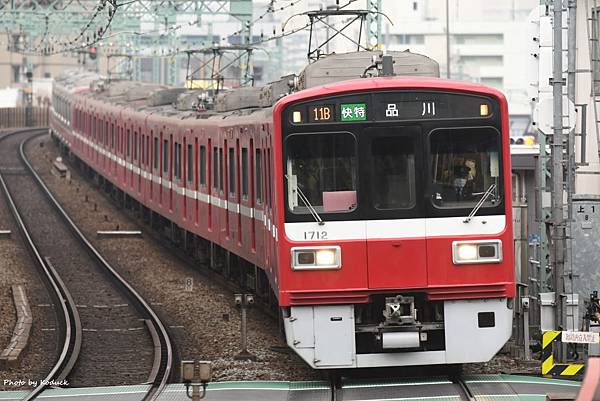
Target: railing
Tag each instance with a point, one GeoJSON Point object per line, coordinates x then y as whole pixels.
{"type": "Point", "coordinates": [17, 117]}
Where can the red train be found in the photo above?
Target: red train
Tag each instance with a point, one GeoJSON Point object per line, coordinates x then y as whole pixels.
{"type": "Point", "coordinates": [376, 210]}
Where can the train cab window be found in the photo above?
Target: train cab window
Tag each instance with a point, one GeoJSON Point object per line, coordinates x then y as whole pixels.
{"type": "Point", "coordinates": [215, 167]}
{"type": "Point", "coordinates": [258, 179]}
{"type": "Point", "coordinates": [221, 169]}
{"type": "Point", "coordinates": [165, 156]}
{"type": "Point", "coordinates": [464, 166]}
{"type": "Point", "coordinates": [135, 145]}
{"type": "Point", "coordinates": [155, 153]}
{"type": "Point", "coordinates": [232, 170]}
{"type": "Point", "coordinates": [393, 172]}
{"type": "Point", "coordinates": [190, 163]}
{"type": "Point", "coordinates": [244, 173]}
{"type": "Point", "coordinates": [202, 165]}
{"type": "Point", "coordinates": [321, 173]}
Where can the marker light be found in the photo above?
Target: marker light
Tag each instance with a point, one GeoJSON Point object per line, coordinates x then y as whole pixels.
{"type": "Point", "coordinates": [297, 117]}
{"type": "Point", "coordinates": [484, 109]}
{"type": "Point", "coordinates": [484, 251]}
{"type": "Point", "coordinates": [316, 258]}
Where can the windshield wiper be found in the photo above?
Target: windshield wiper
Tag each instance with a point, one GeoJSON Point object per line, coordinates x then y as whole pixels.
{"type": "Point", "coordinates": [486, 195]}
{"type": "Point", "coordinates": [307, 203]}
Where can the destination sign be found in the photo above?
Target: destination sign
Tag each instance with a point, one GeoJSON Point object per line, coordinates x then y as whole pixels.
{"type": "Point", "coordinates": [392, 106]}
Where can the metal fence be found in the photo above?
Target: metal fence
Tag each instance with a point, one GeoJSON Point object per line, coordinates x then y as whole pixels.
{"type": "Point", "coordinates": [16, 117]}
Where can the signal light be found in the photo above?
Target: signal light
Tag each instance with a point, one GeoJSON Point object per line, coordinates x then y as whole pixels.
{"type": "Point", "coordinates": [93, 52]}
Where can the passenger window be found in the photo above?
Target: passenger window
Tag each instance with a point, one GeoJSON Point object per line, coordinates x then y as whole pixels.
{"type": "Point", "coordinates": [202, 165]}
{"type": "Point", "coordinates": [127, 139]}
{"type": "Point", "coordinates": [221, 169]}
{"type": "Point", "coordinates": [156, 153]}
{"type": "Point", "coordinates": [232, 170]}
{"type": "Point", "coordinates": [258, 180]}
{"type": "Point", "coordinates": [112, 135]}
{"type": "Point", "coordinates": [190, 164]}
{"type": "Point", "coordinates": [135, 145]}
{"type": "Point", "coordinates": [177, 161]}
{"type": "Point", "coordinates": [215, 168]}
{"type": "Point", "coordinates": [165, 156]}
{"type": "Point", "coordinates": [245, 173]}
{"type": "Point", "coordinates": [148, 149]}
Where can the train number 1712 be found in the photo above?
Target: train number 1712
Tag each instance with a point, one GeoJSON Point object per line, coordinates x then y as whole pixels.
{"type": "Point", "coordinates": [315, 235]}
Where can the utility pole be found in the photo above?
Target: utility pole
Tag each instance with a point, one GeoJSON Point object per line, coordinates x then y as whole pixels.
{"type": "Point", "coordinates": [374, 39]}
{"type": "Point", "coordinates": [558, 221]}
{"type": "Point", "coordinates": [448, 39]}
{"type": "Point", "coordinates": [571, 165]}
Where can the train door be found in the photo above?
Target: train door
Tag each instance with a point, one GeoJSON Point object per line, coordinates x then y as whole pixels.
{"type": "Point", "coordinates": [251, 196]}
{"type": "Point", "coordinates": [170, 172]}
{"type": "Point", "coordinates": [396, 245]}
{"type": "Point", "coordinates": [214, 198]}
{"type": "Point", "coordinates": [223, 186]}
{"type": "Point", "coordinates": [197, 168]}
{"type": "Point", "coordinates": [233, 191]}
{"type": "Point", "coordinates": [259, 203]}
{"type": "Point", "coordinates": [266, 212]}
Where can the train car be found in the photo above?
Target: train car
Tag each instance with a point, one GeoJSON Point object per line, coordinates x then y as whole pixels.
{"type": "Point", "coordinates": [376, 210]}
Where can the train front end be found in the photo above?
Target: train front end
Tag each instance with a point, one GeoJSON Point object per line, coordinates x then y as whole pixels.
{"type": "Point", "coordinates": [395, 243]}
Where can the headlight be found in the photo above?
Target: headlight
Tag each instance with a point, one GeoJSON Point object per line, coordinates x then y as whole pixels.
{"type": "Point", "coordinates": [484, 251]}
{"type": "Point", "coordinates": [316, 257]}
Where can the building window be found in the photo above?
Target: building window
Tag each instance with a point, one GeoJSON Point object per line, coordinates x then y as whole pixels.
{"type": "Point", "coordinates": [402, 39]}
{"type": "Point", "coordinates": [16, 73]}
{"type": "Point", "coordinates": [478, 39]}
{"type": "Point", "coordinates": [496, 82]}
{"type": "Point", "coordinates": [595, 43]}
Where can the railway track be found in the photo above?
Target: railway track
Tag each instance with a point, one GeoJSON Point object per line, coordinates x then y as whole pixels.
{"type": "Point", "coordinates": [111, 335]}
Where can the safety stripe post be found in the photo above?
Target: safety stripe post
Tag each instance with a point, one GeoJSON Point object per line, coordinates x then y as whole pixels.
{"type": "Point", "coordinates": [549, 338]}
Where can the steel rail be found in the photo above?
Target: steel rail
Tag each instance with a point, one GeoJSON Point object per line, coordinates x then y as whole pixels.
{"type": "Point", "coordinates": [163, 348]}
{"type": "Point", "coordinates": [70, 322]}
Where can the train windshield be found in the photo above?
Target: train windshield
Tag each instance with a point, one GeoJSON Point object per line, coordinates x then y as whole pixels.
{"type": "Point", "coordinates": [464, 164]}
{"type": "Point", "coordinates": [392, 172]}
{"type": "Point", "coordinates": [321, 172]}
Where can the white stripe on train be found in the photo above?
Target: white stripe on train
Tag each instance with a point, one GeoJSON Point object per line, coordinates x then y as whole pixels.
{"type": "Point", "coordinates": [336, 230]}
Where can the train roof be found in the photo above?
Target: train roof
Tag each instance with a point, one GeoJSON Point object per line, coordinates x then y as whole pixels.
{"type": "Point", "coordinates": [184, 103]}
